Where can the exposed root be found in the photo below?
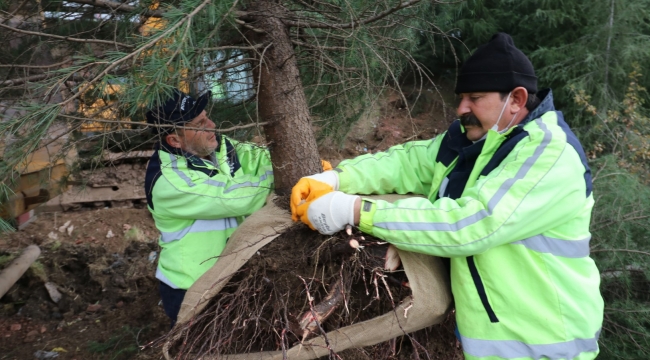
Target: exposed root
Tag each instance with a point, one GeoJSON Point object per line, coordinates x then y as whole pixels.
{"type": "Point", "coordinates": [291, 291]}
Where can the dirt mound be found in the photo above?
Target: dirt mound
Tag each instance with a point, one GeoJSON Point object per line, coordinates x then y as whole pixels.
{"type": "Point", "coordinates": [109, 296]}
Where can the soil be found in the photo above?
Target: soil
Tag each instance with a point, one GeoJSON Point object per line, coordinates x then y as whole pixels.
{"type": "Point", "coordinates": [102, 260]}
{"type": "Point", "coordinates": [109, 303]}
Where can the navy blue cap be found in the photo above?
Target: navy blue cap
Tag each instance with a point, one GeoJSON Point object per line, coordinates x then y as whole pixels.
{"type": "Point", "coordinates": [179, 109]}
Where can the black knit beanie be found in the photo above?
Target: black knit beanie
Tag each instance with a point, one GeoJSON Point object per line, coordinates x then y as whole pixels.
{"type": "Point", "coordinates": [497, 66]}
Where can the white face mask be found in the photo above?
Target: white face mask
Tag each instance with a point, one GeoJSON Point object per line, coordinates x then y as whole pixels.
{"type": "Point", "coordinates": [495, 127]}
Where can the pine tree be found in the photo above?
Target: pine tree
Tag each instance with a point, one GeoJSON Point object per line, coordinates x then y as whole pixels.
{"type": "Point", "coordinates": [276, 64]}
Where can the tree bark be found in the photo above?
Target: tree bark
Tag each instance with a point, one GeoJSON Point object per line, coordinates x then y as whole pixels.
{"type": "Point", "coordinates": [281, 99]}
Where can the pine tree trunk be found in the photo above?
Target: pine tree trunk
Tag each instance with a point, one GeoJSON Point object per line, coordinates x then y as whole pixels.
{"type": "Point", "coordinates": [281, 99]}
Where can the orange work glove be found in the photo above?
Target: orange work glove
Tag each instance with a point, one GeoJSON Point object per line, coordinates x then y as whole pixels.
{"type": "Point", "coordinates": [326, 165]}
{"type": "Point", "coordinates": [310, 188]}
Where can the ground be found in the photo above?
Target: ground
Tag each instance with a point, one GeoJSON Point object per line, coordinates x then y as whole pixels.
{"type": "Point", "coordinates": [102, 259]}
{"type": "Point", "coordinates": [109, 300]}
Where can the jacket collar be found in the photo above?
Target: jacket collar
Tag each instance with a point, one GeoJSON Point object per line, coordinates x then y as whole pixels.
{"type": "Point", "coordinates": [191, 158]}
{"type": "Point", "coordinates": [544, 106]}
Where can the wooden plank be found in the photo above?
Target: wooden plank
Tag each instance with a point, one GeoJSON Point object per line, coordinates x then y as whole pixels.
{"type": "Point", "coordinates": [78, 195]}
{"type": "Point", "coordinates": [143, 154]}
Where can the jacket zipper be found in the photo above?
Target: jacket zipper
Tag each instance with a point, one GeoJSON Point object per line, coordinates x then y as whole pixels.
{"type": "Point", "coordinates": [481, 289]}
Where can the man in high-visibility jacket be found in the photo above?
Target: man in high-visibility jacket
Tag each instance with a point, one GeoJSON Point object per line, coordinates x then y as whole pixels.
{"type": "Point", "coordinates": [199, 187]}
{"type": "Point", "coordinates": [509, 200]}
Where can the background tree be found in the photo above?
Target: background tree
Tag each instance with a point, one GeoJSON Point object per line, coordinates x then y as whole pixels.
{"type": "Point", "coordinates": [587, 45]}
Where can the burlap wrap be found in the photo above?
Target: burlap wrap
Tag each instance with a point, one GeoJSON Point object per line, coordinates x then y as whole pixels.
{"type": "Point", "coordinates": [430, 300]}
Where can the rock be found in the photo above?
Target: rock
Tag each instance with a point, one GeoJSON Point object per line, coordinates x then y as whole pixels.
{"type": "Point", "coordinates": [52, 235]}
{"type": "Point", "coordinates": [15, 327]}
{"type": "Point", "coordinates": [43, 329]}
{"type": "Point", "coordinates": [45, 355]}
{"type": "Point", "coordinates": [93, 308]}
{"type": "Point", "coordinates": [70, 230]}
{"type": "Point", "coordinates": [109, 234]}
{"type": "Point", "coordinates": [55, 295]}
{"type": "Point", "coordinates": [64, 226]}
{"type": "Point", "coordinates": [118, 280]}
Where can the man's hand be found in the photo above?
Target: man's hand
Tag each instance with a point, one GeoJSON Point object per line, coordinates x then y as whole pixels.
{"type": "Point", "coordinates": [326, 165]}
{"type": "Point", "coordinates": [310, 188]}
{"type": "Point", "coordinates": [330, 212]}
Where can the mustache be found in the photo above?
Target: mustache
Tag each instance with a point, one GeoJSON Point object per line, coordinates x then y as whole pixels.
{"type": "Point", "coordinates": [469, 120]}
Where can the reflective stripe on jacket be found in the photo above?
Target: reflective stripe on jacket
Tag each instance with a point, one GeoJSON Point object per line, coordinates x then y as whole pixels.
{"type": "Point", "coordinates": [197, 204]}
{"type": "Point", "coordinates": [517, 234]}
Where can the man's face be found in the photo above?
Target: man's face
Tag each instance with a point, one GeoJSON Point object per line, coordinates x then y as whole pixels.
{"type": "Point", "coordinates": [479, 112]}
{"type": "Point", "coordinates": [199, 142]}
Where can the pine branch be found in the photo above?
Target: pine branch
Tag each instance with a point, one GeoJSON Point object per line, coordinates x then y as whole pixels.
{"type": "Point", "coordinates": [34, 66]}
{"type": "Point", "coordinates": [320, 47]}
{"type": "Point", "coordinates": [11, 15]}
{"type": "Point", "coordinates": [146, 46]}
{"type": "Point", "coordinates": [352, 25]}
{"type": "Point", "coordinates": [123, 122]}
{"type": "Point", "coordinates": [39, 77]}
{"type": "Point", "coordinates": [67, 38]}
{"type": "Point", "coordinates": [232, 47]}
{"type": "Point", "coordinates": [116, 6]}
{"type": "Point", "coordinates": [225, 67]}
{"type": "Point", "coordinates": [622, 250]}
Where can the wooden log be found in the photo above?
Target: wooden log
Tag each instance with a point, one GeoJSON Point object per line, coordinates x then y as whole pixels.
{"type": "Point", "coordinates": [17, 268]}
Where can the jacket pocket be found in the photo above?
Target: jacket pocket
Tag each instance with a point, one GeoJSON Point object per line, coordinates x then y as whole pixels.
{"type": "Point", "coordinates": [481, 290]}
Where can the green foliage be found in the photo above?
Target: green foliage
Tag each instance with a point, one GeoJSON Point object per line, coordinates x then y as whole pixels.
{"type": "Point", "coordinates": [122, 345]}
{"type": "Point", "coordinates": [38, 270]}
{"type": "Point", "coordinates": [618, 144]}
{"type": "Point", "coordinates": [585, 44]}
{"type": "Point", "coordinates": [6, 259]}
{"type": "Point", "coordinates": [6, 227]}
{"type": "Point", "coordinates": [620, 239]}
{"type": "Point", "coordinates": [624, 130]}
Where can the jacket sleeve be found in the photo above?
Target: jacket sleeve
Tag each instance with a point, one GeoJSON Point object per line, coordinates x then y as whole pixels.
{"type": "Point", "coordinates": [537, 187]}
{"type": "Point", "coordinates": [254, 160]}
{"type": "Point", "coordinates": [402, 169]}
{"type": "Point", "coordinates": [220, 196]}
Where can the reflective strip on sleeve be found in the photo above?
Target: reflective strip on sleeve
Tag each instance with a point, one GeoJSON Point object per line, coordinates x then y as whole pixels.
{"type": "Point", "coordinates": [199, 226]}
{"type": "Point", "coordinates": [215, 183]}
{"type": "Point", "coordinates": [180, 174]}
{"type": "Point", "coordinates": [492, 203]}
{"type": "Point", "coordinates": [557, 247]}
{"type": "Point", "coordinates": [160, 276]}
{"type": "Point", "coordinates": [248, 183]}
{"type": "Point", "coordinates": [512, 349]}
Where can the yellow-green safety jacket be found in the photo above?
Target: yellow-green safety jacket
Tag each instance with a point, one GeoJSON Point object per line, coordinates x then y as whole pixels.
{"type": "Point", "coordinates": [197, 203]}
{"type": "Point", "coordinates": [512, 212]}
